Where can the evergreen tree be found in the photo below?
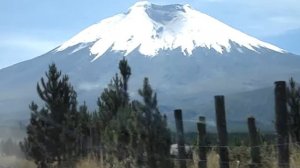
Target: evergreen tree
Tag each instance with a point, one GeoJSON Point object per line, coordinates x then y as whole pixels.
{"type": "Point", "coordinates": [71, 131]}
{"type": "Point", "coordinates": [125, 71]}
{"type": "Point", "coordinates": [111, 100]}
{"type": "Point", "coordinates": [83, 130]}
{"type": "Point", "coordinates": [131, 130]}
{"type": "Point", "coordinates": [293, 93]}
{"type": "Point", "coordinates": [115, 97]}
{"type": "Point", "coordinates": [119, 139]}
{"type": "Point", "coordinates": [154, 133]}
{"type": "Point", "coordinates": [95, 129]}
{"type": "Point", "coordinates": [35, 144]}
{"type": "Point", "coordinates": [117, 118]}
{"type": "Point", "coordinates": [51, 134]}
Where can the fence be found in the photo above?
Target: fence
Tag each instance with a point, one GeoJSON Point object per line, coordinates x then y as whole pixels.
{"type": "Point", "coordinates": [281, 123]}
{"type": "Point", "coordinates": [255, 144]}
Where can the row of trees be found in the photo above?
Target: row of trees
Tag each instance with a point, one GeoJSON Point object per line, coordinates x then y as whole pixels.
{"type": "Point", "coordinates": [121, 132]}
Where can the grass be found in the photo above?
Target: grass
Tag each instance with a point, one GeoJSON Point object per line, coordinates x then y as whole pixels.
{"type": "Point", "coordinates": [88, 163]}
{"type": "Point", "coordinates": [14, 162]}
{"type": "Point", "coordinates": [239, 158]}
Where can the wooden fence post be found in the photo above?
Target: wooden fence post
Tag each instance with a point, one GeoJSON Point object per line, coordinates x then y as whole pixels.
{"type": "Point", "coordinates": [282, 124]}
{"type": "Point", "coordinates": [180, 138]}
{"type": "Point", "coordinates": [202, 143]}
{"type": "Point", "coordinates": [254, 144]}
{"type": "Point", "coordinates": [222, 131]}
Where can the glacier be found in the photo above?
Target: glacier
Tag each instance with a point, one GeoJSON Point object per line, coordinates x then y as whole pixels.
{"type": "Point", "coordinates": [152, 28]}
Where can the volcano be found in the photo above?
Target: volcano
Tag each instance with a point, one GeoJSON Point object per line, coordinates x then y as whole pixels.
{"type": "Point", "coordinates": [187, 55]}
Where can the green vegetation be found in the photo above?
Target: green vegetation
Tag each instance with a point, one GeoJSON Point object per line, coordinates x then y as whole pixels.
{"type": "Point", "coordinates": [123, 132]}
{"type": "Point", "coordinates": [54, 132]}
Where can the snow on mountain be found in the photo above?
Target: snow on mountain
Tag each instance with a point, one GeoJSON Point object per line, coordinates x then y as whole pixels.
{"type": "Point", "coordinates": [188, 57]}
{"type": "Point", "coordinates": [152, 28]}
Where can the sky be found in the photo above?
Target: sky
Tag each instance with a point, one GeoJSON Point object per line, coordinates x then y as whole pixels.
{"type": "Point", "coordinates": [30, 28]}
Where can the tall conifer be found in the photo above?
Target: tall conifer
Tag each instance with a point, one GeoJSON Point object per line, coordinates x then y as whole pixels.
{"type": "Point", "coordinates": [52, 132]}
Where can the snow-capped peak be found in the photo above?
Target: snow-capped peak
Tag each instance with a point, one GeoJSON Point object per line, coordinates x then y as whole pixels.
{"type": "Point", "coordinates": [151, 28]}
{"type": "Point", "coordinates": [142, 3]}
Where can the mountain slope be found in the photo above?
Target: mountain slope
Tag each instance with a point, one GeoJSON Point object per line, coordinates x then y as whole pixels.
{"type": "Point", "coordinates": [152, 28]}
{"type": "Point", "coordinates": [188, 56]}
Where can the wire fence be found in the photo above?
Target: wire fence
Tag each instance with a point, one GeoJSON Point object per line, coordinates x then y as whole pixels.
{"type": "Point", "coordinates": [98, 148]}
{"type": "Point", "coordinates": [234, 162]}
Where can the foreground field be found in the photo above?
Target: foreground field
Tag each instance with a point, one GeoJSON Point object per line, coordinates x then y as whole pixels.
{"type": "Point", "coordinates": [239, 158]}
{"type": "Point", "coordinates": [14, 162]}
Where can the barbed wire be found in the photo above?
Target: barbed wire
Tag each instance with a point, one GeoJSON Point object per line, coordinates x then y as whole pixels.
{"type": "Point", "coordinates": [195, 160]}
{"type": "Point", "coordinates": [212, 123]}
{"type": "Point", "coordinates": [51, 122]}
{"type": "Point", "coordinates": [217, 146]}
{"type": "Point", "coordinates": [99, 147]}
{"type": "Point", "coordinates": [232, 146]}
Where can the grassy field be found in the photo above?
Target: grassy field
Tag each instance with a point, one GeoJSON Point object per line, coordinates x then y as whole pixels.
{"type": "Point", "coordinates": [239, 158]}
{"type": "Point", "coordinates": [14, 162]}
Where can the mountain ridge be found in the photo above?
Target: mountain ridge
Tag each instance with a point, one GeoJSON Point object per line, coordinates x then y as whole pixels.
{"type": "Point", "coordinates": [151, 28]}
{"type": "Point", "coordinates": [181, 81]}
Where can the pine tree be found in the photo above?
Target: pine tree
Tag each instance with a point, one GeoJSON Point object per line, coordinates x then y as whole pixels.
{"type": "Point", "coordinates": [35, 144]}
{"type": "Point", "coordinates": [119, 139]}
{"type": "Point", "coordinates": [293, 93]}
{"type": "Point", "coordinates": [125, 71]}
{"type": "Point", "coordinates": [70, 131]}
{"type": "Point", "coordinates": [132, 129]}
{"type": "Point", "coordinates": [83, 130]}
{"type": "Point", "coordinates": [111, 100]}
{"type": "Point", "coordinates": [118, 119]}
{"type": "Point", "coordinates": [95, 130]}
{"type": "Point", "coordinates": [115, 96]}
{"type": "Point", "coordinates": [51, 134]}
{"type": "Point", "coordinates": [153, 128]}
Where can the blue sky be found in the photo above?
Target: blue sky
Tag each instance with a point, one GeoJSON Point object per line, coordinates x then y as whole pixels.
{"type": "Point", "coordinates": [29, 28]}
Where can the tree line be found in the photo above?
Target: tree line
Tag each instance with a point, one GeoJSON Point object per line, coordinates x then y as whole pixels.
{"type": "Point", "coordinates": [121, 132]}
